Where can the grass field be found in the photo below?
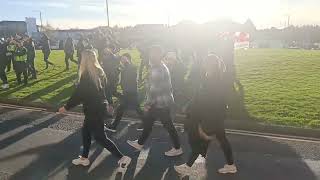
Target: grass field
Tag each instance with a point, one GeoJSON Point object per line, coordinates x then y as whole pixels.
{"type": "Point", "coordinates": [276, 86]}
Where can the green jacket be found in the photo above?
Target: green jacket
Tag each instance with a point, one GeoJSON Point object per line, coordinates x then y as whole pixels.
{"type": "Point", "coordinates": [21, 54]}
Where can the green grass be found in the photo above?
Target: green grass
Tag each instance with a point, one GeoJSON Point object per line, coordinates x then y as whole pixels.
{"type": "Point", "coordinates": [53, 86]}
{"type": "Point", "coordinates": [278, 86]}
{"type": "Point", "coordinates": [281, 86]}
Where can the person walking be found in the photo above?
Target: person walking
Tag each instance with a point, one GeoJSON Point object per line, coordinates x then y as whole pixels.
{"type": "Point", "coordinates": [3, 64]}
{"type": "Point", "coordinates": [31, 54]}
{"type": "Point", "coordinates": [111, 66]}
{"type": "Point", "coordinates": [46, 50]}
{"type": "Point", "coordinates": [206, 116]}
{"type": "Point", "coordinates": [69, 51]}
{"type": "Point", "coordinates": [82, 45]}
{"type": "Point", "coordinates": [11, 48]}
{"type": "Point", "coordinates": [177, 72]}
{"type": "Point", "coordinates": [79, 48]}
{"type": "Point", "coordinates": [20, 63]}
{"type": "Point", "coordinates": [90, 92]}
{"type": "Point", "coordinates": [129, 87]}
{"type": "Point", "coordinates": [159, 102]}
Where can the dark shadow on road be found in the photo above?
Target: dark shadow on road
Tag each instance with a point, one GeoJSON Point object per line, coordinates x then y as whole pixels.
{"type": "Point", "coordinates": [32, 129]}
{"type": "Point", "coordinates": [18, 121]}
{"type": "Point", "coordinates": [257, 158]}
{"type": "Point", "coordinates": [49, 158]}
{"type": "Point", "coordinates": [260, 158]}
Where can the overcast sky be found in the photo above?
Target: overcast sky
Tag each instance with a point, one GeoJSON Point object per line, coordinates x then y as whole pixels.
{"type": "Point", "coordinates": [91, 13]}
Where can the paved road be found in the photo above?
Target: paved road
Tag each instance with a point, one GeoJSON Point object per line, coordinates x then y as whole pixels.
{"type": "Point", "coordinates": [37, 145]}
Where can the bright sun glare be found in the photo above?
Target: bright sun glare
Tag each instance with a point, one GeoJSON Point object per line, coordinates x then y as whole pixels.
{"type": "Point", "coordinates": [205, 10]}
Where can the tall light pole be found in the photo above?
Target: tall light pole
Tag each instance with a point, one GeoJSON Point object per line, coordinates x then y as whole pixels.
{"type": "Point", "coordinates": [40, 14]}
{"type": "Point", "coordinates": [107, 6]}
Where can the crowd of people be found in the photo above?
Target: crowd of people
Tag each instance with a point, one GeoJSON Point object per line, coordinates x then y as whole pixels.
{"type": "Point", "coordinates": [200, 92]}
{"type": "Point", "coordinates": [20, 52]}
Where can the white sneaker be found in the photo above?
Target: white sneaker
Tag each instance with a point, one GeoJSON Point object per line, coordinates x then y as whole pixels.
{"type": "Point", "coordinates": [135, 144]}
{"type": "Point", "coordinates": [183, 169]}
{"type": "Point", "coordinates": [5, 86]}
{"type": "Point", "coordinates": [140, 128]}
{"type": "Point", "coordinates": [228, 169]}
{"type": "Point", "coordinates": [81, 161]}
{"type": "Point", "coordinates": [174, 152]}
{"type": "Point", "coordinates": [124, 162]}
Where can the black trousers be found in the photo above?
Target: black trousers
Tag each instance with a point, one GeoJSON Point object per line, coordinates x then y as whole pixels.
{"type": "Point", "coordinates": [31, 68]}
{"type": "Point", "coordinates": [9, 62]}
{"type": "Point", "coordinates": [94, 126]}
{"type": "Point", "coordinates": [165, 117]}
{"type": "Point", "coordinates": [20, 68]}
{"type": "Point", "coordinates": [3, 75]}
{"type": "Point", "coordinates": [46, 55]}
{"type": "Point", "coordinates": [224, 144]}
{"type": "Point", "coordinates": [127, 100]}
{"type": "Point", "coordinates": [69, 56]}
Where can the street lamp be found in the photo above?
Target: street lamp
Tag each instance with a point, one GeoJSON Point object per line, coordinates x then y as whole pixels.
{"type": "Point", "coordinates": [107, 6]}
{"type": "Point", "coordinates": [40, 13]}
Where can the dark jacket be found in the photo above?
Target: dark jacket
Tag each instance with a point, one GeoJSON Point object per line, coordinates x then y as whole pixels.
{"type": "Point", "coordinates": [208, 106]}
{"type": "Point", "coordinates": [208, 110]}
{"type": "Point", "coordinates": [31, 49]}
{"type": "Point", "coordinates": [93, 98]}
{"type": "Point", "coordinates": [45, 44]}
{"type": "Point", "coordinates": [177, 72]}
{"type": "Point", "coordinates": [69, 47]}
{"type": "Point", "coordinates": [111, 65]}
{"type": "Point", "coordinates": [3, 50]}
{"type": "Point", "coordinates": [80, 47]}
{"type": "Point", "coordinates": [129, 79]}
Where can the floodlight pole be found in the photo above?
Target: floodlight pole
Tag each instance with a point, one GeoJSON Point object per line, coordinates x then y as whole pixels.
{"type": "Point", "coordinates": [107, 6]}
{"type": "Point", "coordinates": [40, 13]}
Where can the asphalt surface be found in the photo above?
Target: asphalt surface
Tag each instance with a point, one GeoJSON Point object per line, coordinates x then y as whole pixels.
{"type": "Point", "coordinates": [38, 145]}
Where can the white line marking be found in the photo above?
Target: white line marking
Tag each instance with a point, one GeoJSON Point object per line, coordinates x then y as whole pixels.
{"type": "Point", "coordinates": [141, 161]}
{"type": "Point", "coordinates": [273, 136]}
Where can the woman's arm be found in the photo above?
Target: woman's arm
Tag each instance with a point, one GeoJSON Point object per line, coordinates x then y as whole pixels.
{"type": "Point", "coordinates": [203, 135]}
{"type": "Point", "coordinates": [76, 97]}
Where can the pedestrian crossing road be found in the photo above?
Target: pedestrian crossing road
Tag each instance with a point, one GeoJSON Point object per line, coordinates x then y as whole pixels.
{"type": "Point", "coordinates": [37, 145]}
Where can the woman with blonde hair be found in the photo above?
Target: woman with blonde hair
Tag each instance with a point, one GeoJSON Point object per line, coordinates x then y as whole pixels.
{"type": "Point", "coordinates": [91, 93]}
